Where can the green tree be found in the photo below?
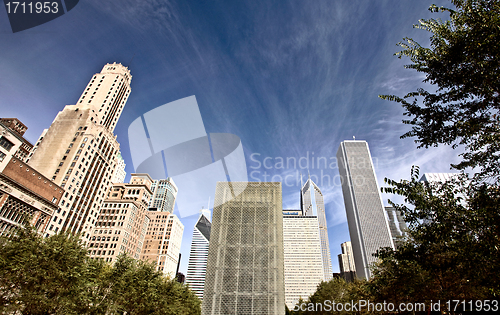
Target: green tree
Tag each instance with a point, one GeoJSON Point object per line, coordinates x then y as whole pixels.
{"type": "Point", "coordinates": [453, 247]}
{"type": "Point", "coordinates": [336, 291]}
{"type": "Point", "coordinates": [139, 289]}
{"type": "Point", "coordinates": [54, 275]}
{"type": "Point", "coordinates": [462, 65]}
{"type": "Point", "coordinates": [41, 276]}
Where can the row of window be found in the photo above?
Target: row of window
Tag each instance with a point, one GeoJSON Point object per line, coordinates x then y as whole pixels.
{"type": "Point", "coordinates": [103, 245]}
{"type": "Point", "coordinates": [6, 144]}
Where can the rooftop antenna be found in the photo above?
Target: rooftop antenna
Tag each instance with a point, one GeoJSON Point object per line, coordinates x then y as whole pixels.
{"type": "Point", "coordinates": [301, 184]}
{"type": "Point", "coordinates": [208, 205]}
{"type": "Point", "coordinates": [131, 61]}
{"type": "Point", "coordinates": [308, 175]}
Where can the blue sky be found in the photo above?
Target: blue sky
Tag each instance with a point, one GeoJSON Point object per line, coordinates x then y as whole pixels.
{"type": "Point", "coordinates": [291, 78]}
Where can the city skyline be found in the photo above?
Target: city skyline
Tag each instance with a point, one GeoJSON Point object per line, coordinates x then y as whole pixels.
{"type": "Point", "coordinates": [291, 80]}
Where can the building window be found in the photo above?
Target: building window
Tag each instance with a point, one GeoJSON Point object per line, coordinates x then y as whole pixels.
{"type": "Point", "coordinates": [2, 156]}
{"type": "Point", "coordinates": [6, 144]}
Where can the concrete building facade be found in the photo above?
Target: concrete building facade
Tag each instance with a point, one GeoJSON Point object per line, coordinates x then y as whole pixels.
{"type": "Point", "coordinates": [162, 243]}
{"type": "Point", "coordinates": [26, 196]}
{"type": "Point", "coordinates": [346, 262]}
{"type": "Point", "coordinates": [164, 232]}
{"type": "Point", "coordinates": [79, 150]}
{"type": "Point", "coordinates": [368, 226]}
{"type": "Point", "coordinates": [245, 267]}
{"type": "Point", "coordinates": [303, 259]}
{"type": "Point", "coordinates": [312, 203]}
{"type": "Point", "coordinates": [15, 129]}
{"type": "Point", "coordinates": [123, 220]}
{"type": "Point", "coordinates": [120, 174]}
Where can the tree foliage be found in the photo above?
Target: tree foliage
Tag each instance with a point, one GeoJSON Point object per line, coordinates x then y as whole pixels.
{"type": "Point", "coordinates": [452, 251]}
{"type": "Point", "coordinates": [55, 276]}
{"type": "Point", "coordinates": [338, 291]}
{"type": "Point", "coordinates": [463, 67]}
{"type": "Point", "coordinates": [453, 247]}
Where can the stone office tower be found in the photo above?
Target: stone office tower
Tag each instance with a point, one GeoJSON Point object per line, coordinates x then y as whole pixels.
{"type": "Point", "coordinates": [368, 226]}
{"type": "Point", "coordinates": [79, 151]}
{"type": "Point", "coordinates": [162, 243]}
{"type": "Point", "coordinates": [123, 220]}
{"type": "Point", "coordinates": [245, 258]}
{"type": "Point", "coordinates": [346, 262]}
{"type": "Point", "coordinates": [312, 203]}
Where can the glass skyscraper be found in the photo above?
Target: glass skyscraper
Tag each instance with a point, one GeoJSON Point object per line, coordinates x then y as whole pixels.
{"type": "Point", "coordinates": [368, 226]}
{"type": "Point", "coordinates": [164, 194]}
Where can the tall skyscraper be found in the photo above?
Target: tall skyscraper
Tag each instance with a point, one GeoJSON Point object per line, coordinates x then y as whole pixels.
{"type": "Point", "coordinates": [122, 221]}
{"type": "Point", "coordinates": [245, 258]}
{"type": "Point", "coordinates": [368, 226]}
{"type": "Point", "coordinates": [346, 262]}
{"type": "Point", "coordinates": [312, 203]}
{"type": "Point", "coordinates": [79, 150]}
{"type": "Point", "coordinates": [163, 239]}
{"type": "Point", "coordinates": [302, 254]}
{"type": "Point", "coordinates": [197, 265]}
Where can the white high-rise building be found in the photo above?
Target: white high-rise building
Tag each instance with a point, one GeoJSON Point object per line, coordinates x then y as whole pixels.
{"type": "Point", "coordinates": [79, 151]}
{"type": "Point", "coordinates": [197, 265]}
{"type": "Point", "coordinates": [312, 203]}
{"type": "Point", "coordinates": [368, 226]}
{"type": "Point", "coordinates": [302, 254]}
{"type": "Point", "coordinates": [120, 173]}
